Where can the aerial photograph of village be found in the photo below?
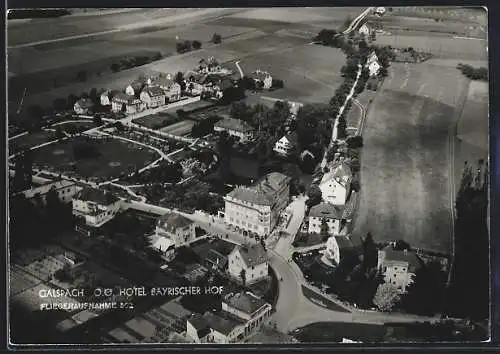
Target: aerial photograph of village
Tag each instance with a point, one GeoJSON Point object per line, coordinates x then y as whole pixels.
{"type": "Point", "coordinates": [248, 175]}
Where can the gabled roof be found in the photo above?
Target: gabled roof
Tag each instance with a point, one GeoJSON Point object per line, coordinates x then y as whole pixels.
{"type": "Point", "coordinates": [245, 302]}
{"type": "Point", "coordinates": [154, 91]}
{"type": "Point", "coordinates": [163, 82]}
{"type": "Point", "coordinates": [123, 98]}
{"type": "Point", "coordinates": [216, 258]}
{"type": "Point", "coordinates": [410, 257]}
{"type": "Point", "coordinates": [291, 138]}
{"type": "Point", "coordinates": [161, 243]}
{"type": "Point", "coordinates": [342, 174]}
{"type": "Point", "coordinates": [172, 221]}
{"type": "Point", "coordinates": [326, 210]}
{"type": "Point", "coordinates": [137, 85]}
{"type": "Point", "coordinates": [234, 124]}
{"type": "Point", "coordinates": [99, 196]}
{"type": "Point", "coordinates": [200, 324]}
{"type": "Point", "coordinates": [44, 189]}
{"type": "Point", "coordinates": [252, 255]}
{"type": "Point", "coordinates": [259, 75]}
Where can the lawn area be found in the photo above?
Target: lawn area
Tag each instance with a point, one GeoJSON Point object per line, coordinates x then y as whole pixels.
{"type": "Point", "coordinates": [405, 160]}
{"type": "Point", "coordinates": [180, 128]}
{"type": "Point", "coordinates": [115, 158]}
{"type": "Point", "coordinates": [76, 127]}
{"type": "Point", "coordinates": [29, 140]}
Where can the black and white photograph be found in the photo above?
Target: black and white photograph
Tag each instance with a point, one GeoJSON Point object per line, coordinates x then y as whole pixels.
{"type": "Point", "coordinates": [279, 175]}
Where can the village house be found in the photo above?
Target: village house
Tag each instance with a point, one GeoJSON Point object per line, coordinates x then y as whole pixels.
{"type": "Point", "coordinates": [123, 102]}
{"type": "Point", "coordinates": [398, 266]}
{"type": "Point", "coordinates": [337, 248]}
{"type": "Point", "coordinates": [83, 106]}
{"type": "Point", "coordinates": [215, 261]}
{"type": "Point", "coordinates": [107, 96]}
{"type": "Point", "coordinates": [197, 329]}
{"type": "Point", "coordinates": [96, 206]}
{"type": "Point", "coordinates": [380, 11]}
{"type": "Point", "coordinates": [262, 79]}
{"type": "Point", "coordinates": [373, 65]}
{"type": "Point", "coordinates": [173, 231]}
{"type": "Point", "coordinates": [135, 88]}
{"type": "Point", "coordinates": [153, 96]}
{"type": "Point", "coordinates": [287, 145]}
{"type": "Point", "coordinates": [294, 109]}
{"type": "Point", "coordinates": [332, 214]}
{"type": "Point", "coordinates": [64, 189]}
{"type": "Point", "coordinates": [336, 184]}
{"type": "Point", "coordinates": [248, 263]}
{"type": "Point", "coordinates": [249, 308]}
{"type": "Point", "coordinates": [256, 210]}
{"type": "Point", "coordinates": [171, 88]}
{"type": "Point", "coordinates": [236, 128]}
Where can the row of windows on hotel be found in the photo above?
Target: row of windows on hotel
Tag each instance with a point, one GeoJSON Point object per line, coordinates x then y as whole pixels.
{"type": "Point", "coordinates": [236, 206]}
{"type": "Point", "coordinates": [266, 219]}
{"type": "Point", "coordinates": [244, 224]}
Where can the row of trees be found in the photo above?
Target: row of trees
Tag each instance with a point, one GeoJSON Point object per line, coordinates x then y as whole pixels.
{"type": "Point", "coordinates": [473, 73]}
{"type": "Point", "coordinates": [187, 46]}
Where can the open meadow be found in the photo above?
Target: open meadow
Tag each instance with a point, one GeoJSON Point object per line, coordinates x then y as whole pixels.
{"type": "Point", "coordinates": [30, 140]}
{"type": "Point", "coordinates": [407, 170]}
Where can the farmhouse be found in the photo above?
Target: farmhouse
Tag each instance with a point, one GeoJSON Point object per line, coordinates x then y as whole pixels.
{"type": "Point", "coordinates": [248, 264]}
{"type": "Point", "coordinates": [256, 209]}
{"type": "Point", "coordinates": [224, 329]}
{"type": "Point", "coordinates": [123, 102]}
{"type": "Point", "coordinates": [65, 190]}
{"type": "Point", "coordinates": [176, 229]}
{"type": "Point", "coordinates": [262, 79]}
{"type": "Point", "coordinates": [96, 206]}
{"type": "Point", "coordinates": [107, 96]}
{"type": "Point", "coordinates": [247, 307]}
{"type": "Point", "coordinates": [83, 106]}
{"type": "Point", "coordinates": [153, 96]}
{"type": "Point", "coordinates": [398, 267]}
{"type": "Point", "coordinates": [236, 128]}
{"type": "Point", "coordinates": [287, 145]}
{"type": "Point", "coordinates": [373, 65]}
{"type": "Point", "coordinates": [171, 88]}
{"type": "Point", "coordinates": [336, 184]}
{"type": "Point", "coordinates": [332, 214]}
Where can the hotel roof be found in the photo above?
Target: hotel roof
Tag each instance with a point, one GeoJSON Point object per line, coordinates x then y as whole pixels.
{"type": "Point", "coordinates": [244, 302]}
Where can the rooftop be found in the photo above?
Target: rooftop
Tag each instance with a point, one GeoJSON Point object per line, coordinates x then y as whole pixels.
{"type": "Point", "coordinates": [263, 192]}
{"type": "Point", "coordinates": [85, 103]}
{"type": "Point", "coordinates": [410, 257]}
{"type": "Point", "coordinates": [234, 124]}
{"type": "Point", "coordinates": [326, 210]}
{"type": "Point", "coordinates": [172, 221]}
{"type": "Point", "coordinates": [252, 255]}
{"type": "Point", "coordinates": [259, 75]}
{"type": "Point", "coordinates": [221, 323]}
{"type": "Point", "coordinates": [122, 97]}
{"type": "Point", "coordinates": [44, 189]}
{"type": "Point", "coordinates": [200, 324]}
{"type": "Point", "coordinates": [245, 302]}
{"type": "Point", "coordinates": [154, 91]}
{"type": "Point", "coordinates": [98, 196]}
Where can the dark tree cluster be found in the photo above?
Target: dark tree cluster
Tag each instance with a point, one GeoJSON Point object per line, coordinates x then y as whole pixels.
{"type": "Point", "coordinates": [473, 73]}
{"type": "Point", "coordinates": [216, 38]}
{"type": "Point", "coordinates": [187, 46]}
{"type": "Point", "coordinates": [165, 172]}
{"type": "Point", "coordinates": [468, 292]}
{"type": "Point", "coordinates": [23, 171]}
{"type": "Point", "coordinates": [128, 63]}
{"type": "Point", "coordinates": [204, 127]}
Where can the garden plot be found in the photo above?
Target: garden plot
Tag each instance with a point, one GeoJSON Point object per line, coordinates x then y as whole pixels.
{"type": "Point", "coordinates": [30, 140]}
{"type": "Point", "coordinates": [406, 157]}
{"type": "Point", "coordinates": [180, 128]}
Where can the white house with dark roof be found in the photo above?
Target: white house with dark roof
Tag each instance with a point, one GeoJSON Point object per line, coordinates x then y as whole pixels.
{"type": "Point", "coordinates": [364, 30]}
{"type": "Point", "coordinates": [83, 106]}
{"type": "Point", "coordinates": [332, 214]}
{"type": "Point", "coordinates": [252, 259]}
{"type": "Point", "coordinates": [153, 96]}
{"type": "Point", "coordinates": [398, 266]}
{"type": "Point", "coordinates": [96, 206]}
{"type": "Point", "coordinates": [337, 248]}
{"type": "Point", "coordinates": [287, 145]}
{"type": "Point", "coordinates": [172, 231]}
{"type": "Point", "coordinates": [262, 78]}
{"type": "Point", "coordinates": [236, 128]}
{"type": "Point", "coordinates": [107, 96]}
{"type": "Point", "coordinates": [336, 184]}
{"type": "Point", "coordinates": [247, 307]}
{"type": "Point", "coordinates": [135, 87]}
{"type": "Point", "coordinates": [256, 209]}
{"type": "Point", "coordinates": [171, 88]}
{"type": "Point", "coordinates": [65, 191]}
{"type": "Point", "coordinates": [224, 328]}
{"type": "Point", "coordinates": [197, 329]}
{"type": "Point", "coordinates": [373, 65]}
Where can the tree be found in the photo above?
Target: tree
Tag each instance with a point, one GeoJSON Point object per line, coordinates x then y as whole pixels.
{"type": "Point", "coordinates": [179, 78]}
{"type": "Point", "coordinates": [59, 133]}
{"type": "Point", "coordinates": [341, 128]}
{"type": "Point", "coordinates": [196, 45]}
{"type": "Point", "coordinates": [216, 38]}
{"type": "Point", "coordinates": [243, 275]}
{"type": "Point", "coordinates": [314, 194]}
{"type": "Point", "coordinates": [386, 297]}
{"type": "Point", "coordinates": [324, 231]}
{"type": "Point", "coordinates": [93, 95]}
{"type": "Point", "coordinates": [263, 243]}
{"type": "Point", "coordinates": [277, 83]}
{"type": "Point", "coordinates": [240, 110]}
{"type": "Point", "coordinates": [82, 75]}
{"type": "Point", "coordinates": [71, 101]}
{"type": "Point", "coordinates": [115, 67]}
{"type": "Point", "coordinates": [35, 116]}
{"type": "Point", "coordinates": [98, 121]}
{"type": "Point", "coordinates": [370, 255]}
{"type": "Point", "coordinates": [355, 142]}
{"type": "Point", "coordinates": [59, 104]}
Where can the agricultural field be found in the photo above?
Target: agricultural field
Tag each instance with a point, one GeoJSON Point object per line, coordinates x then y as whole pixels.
{"type": "Point", "coordinates": [115, 158]}
{"type": "Point", "coordinates": [406, 162]}
{"type": "Point", "coordinates": [30, 140]}
{"type": "Point", "coordinates": [156, 121]}
{"type": "Point", "coordinates": [180, 128]}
